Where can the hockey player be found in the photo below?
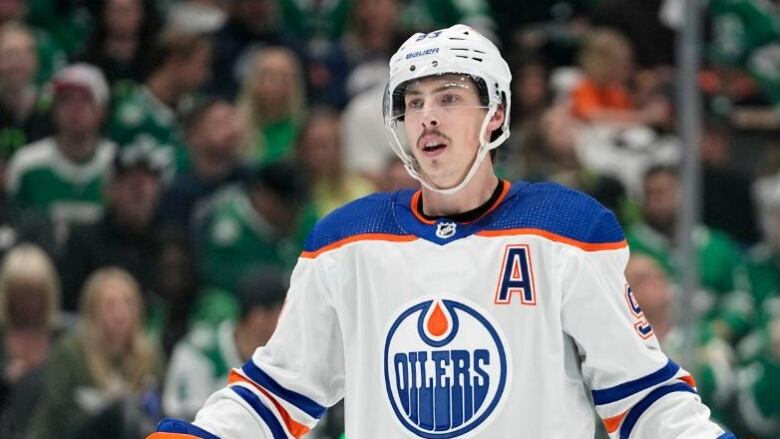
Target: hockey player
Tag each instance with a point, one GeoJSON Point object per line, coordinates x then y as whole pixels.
{"type": "Point", "coordinates": [471, 308]}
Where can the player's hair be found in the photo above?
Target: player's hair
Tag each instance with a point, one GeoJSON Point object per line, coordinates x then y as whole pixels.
{"type": "Point", "coordinates": [137, 361]}
{"type": "Point", "coordinates": [28, 267]}
{"type": "Point", "coordinates": [172, 45]}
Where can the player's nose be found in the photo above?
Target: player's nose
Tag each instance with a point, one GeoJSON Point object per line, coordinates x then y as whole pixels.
{"type": "Point", "coordinates": [429, 117]}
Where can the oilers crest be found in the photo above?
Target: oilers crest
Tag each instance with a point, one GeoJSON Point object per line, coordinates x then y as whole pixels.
{"type": "Point", "coordinates": [445, 368]}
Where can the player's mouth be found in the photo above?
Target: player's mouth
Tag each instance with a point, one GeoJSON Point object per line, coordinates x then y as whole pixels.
{"type": "Point", "coordinates": [432, 145]}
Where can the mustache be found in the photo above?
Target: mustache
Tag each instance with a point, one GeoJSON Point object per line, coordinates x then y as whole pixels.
{"type": "Point", "coordinates": [432, 132]}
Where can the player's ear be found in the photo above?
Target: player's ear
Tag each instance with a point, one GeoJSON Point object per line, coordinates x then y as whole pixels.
{"type": "Point", "coordinates": [497, 119]}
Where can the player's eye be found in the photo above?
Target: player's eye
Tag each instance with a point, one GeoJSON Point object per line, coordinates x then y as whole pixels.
{"type": "Point", "coordinates": [449, 99]}
{"type": "Point", "coordinates": [414, 104]}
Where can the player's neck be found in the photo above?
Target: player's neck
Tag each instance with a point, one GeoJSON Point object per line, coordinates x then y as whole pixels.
{"type": "Point", "coordinates": [476, 193]}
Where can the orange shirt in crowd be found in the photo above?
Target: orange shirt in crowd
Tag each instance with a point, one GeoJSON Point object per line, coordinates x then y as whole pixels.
{"type": "Point", "coordinates": [588, 97]}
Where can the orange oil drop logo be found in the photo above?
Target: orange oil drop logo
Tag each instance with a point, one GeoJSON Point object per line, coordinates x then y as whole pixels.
{"type": "Point", "coordinates": [437, 322]}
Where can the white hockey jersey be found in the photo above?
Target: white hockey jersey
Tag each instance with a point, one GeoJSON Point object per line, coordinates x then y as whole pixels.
{"type": "Point", "coordinates": [514, 325]}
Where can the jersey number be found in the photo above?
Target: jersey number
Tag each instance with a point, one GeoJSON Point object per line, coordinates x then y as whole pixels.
{"type": "Point", "coordinates": [516, 276]}
{"type": "Point", "coordinates": [642, 326]}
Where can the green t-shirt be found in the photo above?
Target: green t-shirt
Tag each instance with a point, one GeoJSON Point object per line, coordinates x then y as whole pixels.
{"type": "Point", "coordinates": [233, 239]}
{"type": "Point", "coordinates": [138, 117]}
{"type": "Point", "coordinates": [42, 178]}
{"type": "Point", "coordinates": [274, 142]}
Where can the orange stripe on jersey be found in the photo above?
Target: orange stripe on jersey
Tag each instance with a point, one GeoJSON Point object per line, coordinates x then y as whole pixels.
{"type": "Point", "coordinates": [294, 427]}
{"type": "Point", "coordinates": [587, 246]}
{"type": "Point", "coordinates": [612, 424]}
{"type": "Point", "coordinates": [417, 214]}
{"type": "Point", "coordinates": [688, 380]}
{"type": "Point", "coordinates": [362, 237]}
{"type": "Point", "coordinates": [164, 435]}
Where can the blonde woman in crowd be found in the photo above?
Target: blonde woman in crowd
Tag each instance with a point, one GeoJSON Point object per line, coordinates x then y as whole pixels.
{"type": "Point", "coordinates": [272, 102]}
{"type": "Point", "coordinates": [29, 322]}
{"type": "Point", "coordinates": [106, 374]}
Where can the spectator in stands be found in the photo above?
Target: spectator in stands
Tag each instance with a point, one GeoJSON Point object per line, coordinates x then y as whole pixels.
{"type": "Point", "coordinates": [102, 378]}
{"type": "Point", "coordinates": [396, 178]}
{"type": "Point", "coordinates": [123, 36]}
{"type": "Point", "coordinates": [340, 68]}
{"type": "Point", "coordinates": [550, 154]}
{"type": "Point", "coordinates": [715, 360]}
{"type": "Point", "coordinates": [531, 97]}
{"type": "Point", "coordinates": [50, 51]}
{"type": "Point", "coordinates": [24, 116]}
{"type": "Point", "coordinates": [67, 22]}
{"type": "Point", "coordinates": [727, 201]}
{"type": "Point", "coordinates": [29, 323]}
{"type": "Point", "coordinates": [319, 152]}
{"type": "Point", "coordinates": [764, 258]}
{"type": "Point", "coordinates": [251, 25]}
{"type": "Point", "coordinates": [125, 236]}
{"type": "Point", "coordinates": [640, 21]}
{"type": "Point", "coordinates": [725, 299]}
{"type": "Point", "coordinates": [552, 28]}
{"type": "Point", "coordinates": [149, 113]}
{"type": "Point", "coordinates": [263, 222]}
{"type": "Point", "coordinates": [201, 363]}
{"type": "Point", "coordinates": [63, 175]}
{"type": "Point", "coordinates": [603, 95]}
{"type": "Point", "coordinates": [758, 401]}
{"type": "Point", "coordinates": [175, 287]}
{"type": "Point", "coordinates": [365, 136]}
{"type": "Point", "coordinates": [214, 134]}
{"type": "Point", "coordinates": [272, 102]}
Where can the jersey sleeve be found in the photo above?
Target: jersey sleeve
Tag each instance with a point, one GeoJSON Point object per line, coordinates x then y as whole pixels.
{"type": "Point", "coordinates": [637, 390]}
{"type": "Point", "coordinates": [284, 389]}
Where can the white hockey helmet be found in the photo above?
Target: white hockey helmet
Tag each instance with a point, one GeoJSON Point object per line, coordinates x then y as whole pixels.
{"type": "Point", "coordinates": [455, 50]}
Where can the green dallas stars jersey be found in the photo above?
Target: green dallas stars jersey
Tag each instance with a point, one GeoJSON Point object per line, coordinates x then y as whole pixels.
{"type": "Point", "coordinates": [721, 271]}
{"type": "Point", "coordinates": [40, 177]}
{"type": "Point", "coordinates": [746, 35]}
{"type": "Point", "coordinates": [233, 238]}
{"type": "Point", "coordinates": [138, 117]}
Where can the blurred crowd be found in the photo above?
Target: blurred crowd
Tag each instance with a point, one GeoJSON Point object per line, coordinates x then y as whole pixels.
{"type": "Point", "coordinates": [162, 161]}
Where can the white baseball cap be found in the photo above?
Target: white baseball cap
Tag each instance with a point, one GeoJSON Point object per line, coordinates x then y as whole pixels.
{"type": "Point", "coordinates": [84, 76]}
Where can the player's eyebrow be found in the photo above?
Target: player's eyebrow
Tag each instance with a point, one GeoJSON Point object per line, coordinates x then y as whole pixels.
{"type": "Point", "coordinates": [412, 90]}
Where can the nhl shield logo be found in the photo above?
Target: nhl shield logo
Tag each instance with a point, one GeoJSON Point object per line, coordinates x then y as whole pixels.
{"type": "Point", "coordinates": [446, 230]}
{"type": "Point", "coordinates": [446, 368]}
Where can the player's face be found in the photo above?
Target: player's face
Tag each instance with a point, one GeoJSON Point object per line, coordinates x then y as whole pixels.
{"type": "Point", "coordinates": [442, 117]}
